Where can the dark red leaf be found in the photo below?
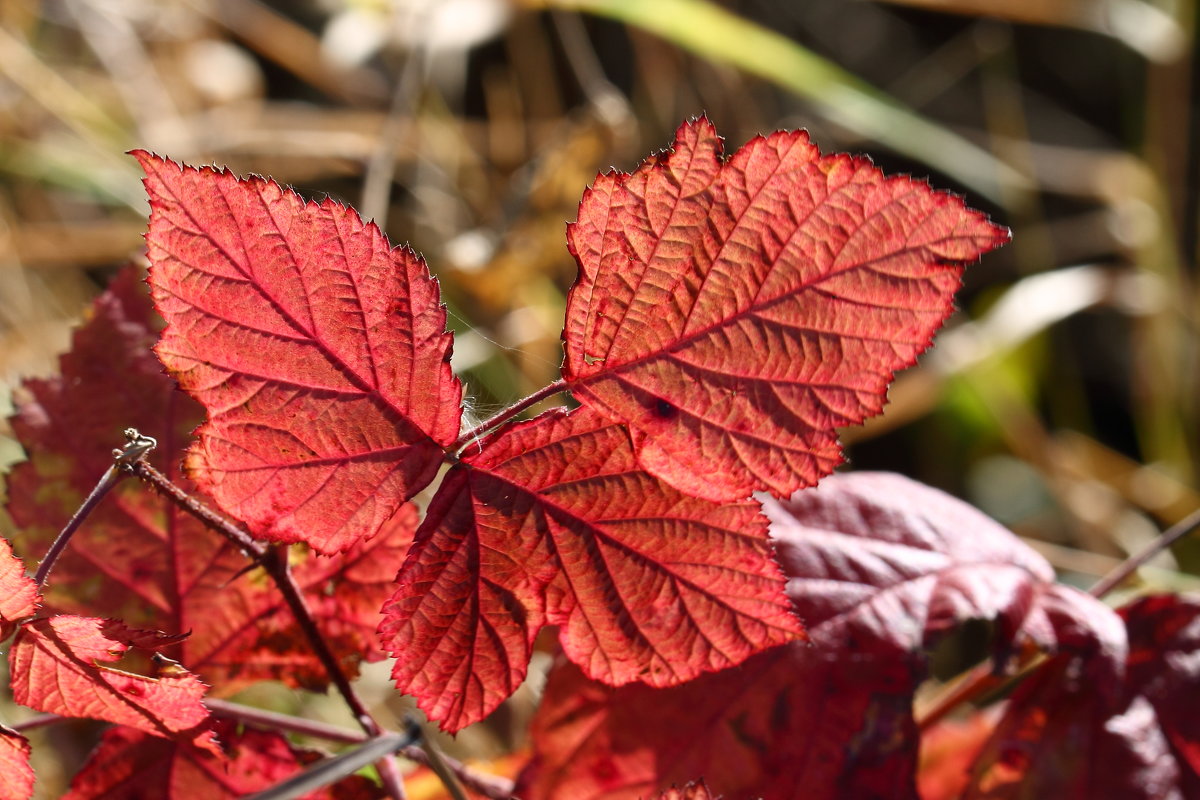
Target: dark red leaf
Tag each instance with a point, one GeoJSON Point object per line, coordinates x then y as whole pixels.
{"type": "Point", "coordinates": [16, 775]}
{"type": "Point", "coordinates": [1077, 730]}
{"type": "Point", "coordinates": [879, 567]}
{"type": "Point", "coordinates": [59, 665]}
{"type": "Point", "coordinates": [735, 313]}
{"type": "Point", "coordinates": [553, 523]}
{"type": "Point", "coordinates": [1164, 667]}
{"type": "Point", "coordinates": [18, 593]}
{"type": "Point", "coordinates": [881, 564]}
{"type": "Point", "coordinates": [142, 560]}
{"type": "Point", "coordinates": [128, 765]}
{"type": "Point", "coordinates": [319, 352]}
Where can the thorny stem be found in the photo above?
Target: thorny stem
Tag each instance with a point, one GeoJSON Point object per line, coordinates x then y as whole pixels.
{"type": "Point", "coordinates": [136, 446]}
{"type": "Point", "coordinates": [1184, 527]}
{"type": "Point", "coordinates": [274, 561]}
{"type": "Point", "coordinates": [508, 413]}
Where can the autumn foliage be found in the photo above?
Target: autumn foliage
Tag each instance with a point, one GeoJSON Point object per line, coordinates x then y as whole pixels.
{"type": "Point", "coordinates": [718, 617]}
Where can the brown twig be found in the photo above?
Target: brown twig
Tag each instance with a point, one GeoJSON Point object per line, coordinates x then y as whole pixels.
{"type": "Point", "coordinates": [1184, 527]}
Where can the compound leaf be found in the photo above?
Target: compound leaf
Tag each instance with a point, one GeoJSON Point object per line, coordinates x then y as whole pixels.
{"type": "Point", "coordinates": [735, 313]}
{"type": "Point", "coordinates": [552, 522]}
{"type": "Point", "coordinates": [319, 352]}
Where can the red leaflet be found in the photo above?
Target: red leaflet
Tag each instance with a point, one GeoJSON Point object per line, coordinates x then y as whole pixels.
{"type": "Point", "coordinates": [734, 314]}
{"type": "Point", "coordinates": [56, 667]}
{"type": "Point", "coordinates": [693, 791]}
{"type": "Point", "coordinates": [18, 593]}
{"type": "Point", "coordinates": [142, 560]}
{"type": "Point", "coordinates": [319, 352]}
{"type": "Point", "coordinates": [1139, 740]}
{"type": "Point", "coordinates": [16, 776]}
{"type": "Point", "coordinates": [552, 522]}
{"type": "Point", "coordinates": [129, 764]}
{"type": "Point", "coordinates": [878, 566]}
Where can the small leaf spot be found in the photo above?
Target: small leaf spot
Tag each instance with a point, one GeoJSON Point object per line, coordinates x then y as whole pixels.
{"type": "Point", "coordinates": [663, 409]}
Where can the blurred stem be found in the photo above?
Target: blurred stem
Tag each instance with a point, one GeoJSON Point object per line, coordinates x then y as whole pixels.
{"type": "Point", "coordinates": [714, 33]}
{"type": "Point", "coordinates": [1112, 580]}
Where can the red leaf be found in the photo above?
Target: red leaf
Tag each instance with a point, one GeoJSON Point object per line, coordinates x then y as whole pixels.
{"type": "Point", "coordinates": [58, 665]}
{"type": "Point", "coordinates": [16, 775]}
{"type": "Point", "coordinates": [142, 560]}
{"type": "Point", "coordinates": [128, 765]}
{"type": "Point", "coordinates": [1076, 729]}
{"type": "Point", "coordinates": [879, 566]}
{"type": "Point", "coordinates": [18, 593]}
{"type": "Point", "coordinates": [553, 523]}
{"type": "Point", "coordinates": [319, 352]}
{"type": "Point", "coordinates": [692, 791]}
{"type": "Point", "coordinates": [735, 313]}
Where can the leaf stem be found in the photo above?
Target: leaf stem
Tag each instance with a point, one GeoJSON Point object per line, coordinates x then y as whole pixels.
{"type": "Point", "coordinates": [559, 385]}
{"type": "Point", "coordinates": [1112, 580]}
{"type": "Point", "coordinates": [274, 561]}
{"type": "Point", "coordinates": [111, 477]}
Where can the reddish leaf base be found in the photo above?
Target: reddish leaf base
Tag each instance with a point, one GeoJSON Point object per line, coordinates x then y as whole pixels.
{"type": "Point", "coordinates": [553, 523]}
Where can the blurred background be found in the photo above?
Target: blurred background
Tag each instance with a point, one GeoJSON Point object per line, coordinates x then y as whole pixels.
{"type": "Point", "coordinates": [1061, 399]}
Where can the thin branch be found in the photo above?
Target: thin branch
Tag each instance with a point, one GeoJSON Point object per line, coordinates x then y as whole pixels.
{"type": "Point", "coordinates": [276, 566]}
{"type": "Point", "coordinates": [1112, 580]}
{"type": "Point", "coordinates": [136, 447]}
{"type": "Point", "coordinates": [273, 720]}
{"type": "Point", "coordinates": [508, 413]}
{"type": "Point", "coordinates": [40, 721]}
